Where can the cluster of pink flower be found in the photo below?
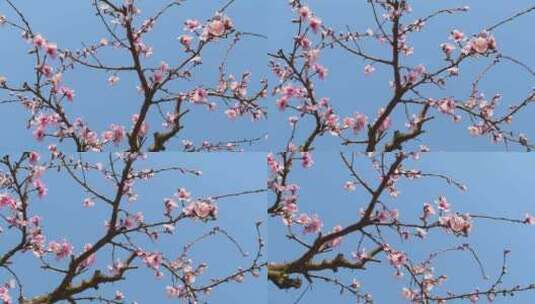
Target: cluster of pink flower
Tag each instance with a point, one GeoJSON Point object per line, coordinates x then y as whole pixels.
{"type": "Point", "coordinates": [203, 210]}
{"type": "Point", "coordinates": [7, 201]}
{"type": "Point", "coordinates": [311, 224]}
{"type": "Point", "coordinates": [4, 292]}
{"type": "Point", "coordinates": [217, 27]}
{"type": "Point", "coordinates": [313, 21]}
{"type": "Point", "coordinates": [397, 259]}
{"type": "Point", "coordinates": [153, 260]}
{"type": "Point", "coordinates": [61, 249]}
{"type": "Point", "coordinates": [459, 224]}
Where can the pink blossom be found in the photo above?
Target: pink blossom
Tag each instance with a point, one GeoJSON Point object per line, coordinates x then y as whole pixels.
{"type": "Point", "coordinates": [307, 160]}
{"type": "Point", "coordinates": [199, 95]}
{"type": "Point", "coordinates": [113, 79]}
{"type": "Point", "coordinates": [40, 187]}
{"type": "Point", "coordinates": [144, 126]}
{"type": "Point", "coordinates": [33, 158]}
{"type": "Point", "coordinates": [528, 219]}
{"type": "Point", "coordinates": [397, 258]}
{"type": "Point", "coordinates": [7, 201]}
{"type": "Point", "coordinates": [183, 195]}
{"type": "Point", "coordinates": [304, 12]}
{"type": "Point", "coordinates": [482, 43]}
{"type": "Point", "coordinates": [457, 35]}
{"type": "Point", "coordinates": [51, 49]}
{"type": "Point", "coordinates": [191, 25]}
{"type": "Point", "coordinates": [4, 295]}
{"type": "Point", "coordinates": [201, 210]}
{"type": "Point", "coordinates": [173, 292]}
{"type": "Point", "coordinates": [315, 24]}
{"type": "Point", "coordinates": [443, 204]}
{"type": "Point", "coordinates": [447, 106]}
{"type": "Point", "coordinates": [152, 260]}
{"type": "Point", "coordinates": [311, 224]}
{"type": "Point", "coordinates": [337, 241]}
{"type": "Point", "coordinates": [458, 224]}
{"type": "Point", "coordinates": [447, 49]}
{"type": "Point", "coordinates": [88, 203]}
{"type": "Point", "coordinates": [90, 260]}
{"type": "Point", "coordinates": [60, 249]}
{"type": "Point", "coordinates": [350, 186]}
{"type": "Point", "coordinates": [368, 69]}
{"type": "Point", "coordinates": [232, 114]}
{"type": "Point", "coordinates": [321, 70]}
{"type": "Point", "coordinates": [39, 41]}
{"type": "Point", "coordinates": [119, 296]}
{"type": "Point", "coordinates": [185, 40]}
{"type": "Point", "coordinates": [216, 28]}
{"type": "Point", "coordinates": [46, 70]}
{"type": "Point", "coordinates": [479, 44]}
{"type": "Point", "coordinates": [68, 93]}
{"type": "Point", "coordinates": [116, 134]}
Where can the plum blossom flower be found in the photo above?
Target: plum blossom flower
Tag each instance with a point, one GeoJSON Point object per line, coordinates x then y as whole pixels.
{"type": "Point", "coordinates": [185, 40]}
{"type": "Point", "coordinates": [458, 224]}
{"type": "Point", "coordinates": [51, 49]}
{"type": "Point", "coordinates": [39, 41]}
{"type": "Point", "coordinates": [481, 44]}
{"type": "Point", "coordinates": [216, 28]}
{"type": "Point", "coordinates": [447, 49]}
{"type": "Point", "coordinates": [33, 158]}
{"type": "Point", "coordinates": [528, 219]}
{"type": "Point", "coordinates": [90, 260]}
{"type": "Point", "coordinates": [304, 12]}
{"type": "Point", "coordinates": [443, 203]}
{"type": "Point", "coordinates": [191, 25]}
{"type": "Point", "coordinates": [174, 292]}
{"type": "Point", "coordinates": [119, 296]}
{"type": "Point", "coordinates": [88, 203]}
{"type": "Point", "coordinates": [116, 134]}
{"type": "Point", "coordinates": [232, 114]}
{"type": "Point", "coordinates": [396, 258]}
{"type": "Point", "coordinates": [68, 93]}
{"type": "Point", "coordinates": [369, 69]}
{"type": "Point", "coordinates": [337, 241]}
{"type": "Point", "coordinates": [61, 249]}
{"type": "Point", "coordinates": [350, 186]}
{"type": "Point", "coordinates": [40, 187]}
{"type": "Point", "coordinates": [457, 35]}
{"type": "Point", "coordinates": [201, 210]}
{"type": "Point", "coordinates": [7, 201]}
{"type": "Point", "coordinates": [183, 195]}
{"type": "Point", "coordinates": [315, 24]}
{"type": "Point", "coordinates": [307, 160]}
{"type": "Point", "coordinates": [113, 80]}
{"type": "Point", "coordinates": [311, 224]}
{"type": "Point", "coordinates": [199, 95]}
{"type": "Point", "coordinates": [4, 295]}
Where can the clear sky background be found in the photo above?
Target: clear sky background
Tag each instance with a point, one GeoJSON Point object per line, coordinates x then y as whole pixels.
{"type": "Point", "coordinates": [499, 184]}
{"type": "Point", "coordinates": [65, 217]}
{"type": "Point", "coordinates": [71, 23]}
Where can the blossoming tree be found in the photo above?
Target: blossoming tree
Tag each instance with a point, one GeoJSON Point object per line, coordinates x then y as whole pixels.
{"type": "Point", "coordinates": [416, 94]}
{"type": "Point", "coordinates": [167, 91]}
{"type": "Point", "coordinates": [82, 259]}
{"type": "Point", "coordinates": [417, 88]}
{"type": "Point", "coordinates": [387, 239]}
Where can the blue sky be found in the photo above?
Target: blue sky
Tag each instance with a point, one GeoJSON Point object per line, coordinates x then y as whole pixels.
{"type": "Point", "coordinates": [71, 23]}
{"type": "Point", "coordinates": [499, 184]}
{"type": "Point", "coordinates": [64, 217]}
